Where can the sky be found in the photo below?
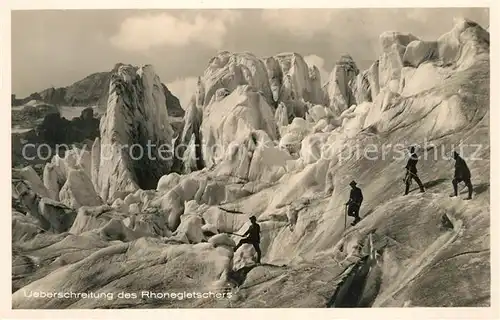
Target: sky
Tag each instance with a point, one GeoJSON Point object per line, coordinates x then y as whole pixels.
{"type": "Point", "coordinates": [59, 47]}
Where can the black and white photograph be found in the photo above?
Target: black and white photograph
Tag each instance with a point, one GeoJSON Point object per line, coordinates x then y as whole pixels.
{"type": "Point", "coordinates": [250, 158]}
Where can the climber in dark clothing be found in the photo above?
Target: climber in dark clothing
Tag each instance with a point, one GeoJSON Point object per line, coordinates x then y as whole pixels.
{"type": "Point", "coordinates": [252, 237]}
{"type": "Point", "coordinates": [354, 203]}
{"type": "Point", "coordinates": [411, 172]}
{"type": "Point", "coordinates": [462, 174]}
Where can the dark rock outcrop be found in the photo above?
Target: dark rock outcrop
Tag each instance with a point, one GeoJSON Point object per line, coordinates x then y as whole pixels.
{"type": "Point", "coordinates": [91, 90]}
{"type": "Point", "coordinates": [81, 93]}
{"type": "Point", "coordinates": [55, 129]}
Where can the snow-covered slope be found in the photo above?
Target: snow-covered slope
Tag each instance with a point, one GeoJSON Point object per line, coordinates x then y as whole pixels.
{"type": "Point", "coordinates": [426, 250]}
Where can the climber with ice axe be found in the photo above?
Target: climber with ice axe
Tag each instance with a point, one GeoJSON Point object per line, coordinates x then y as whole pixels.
{"type": "Point", "coordinates": [354, 203]}
{"type": "Point", "coordinates": [411, 172]}
{"type": "Point", "coordinates": [462, 173]}
{"type": "Point", "coordinates": [252, 237]}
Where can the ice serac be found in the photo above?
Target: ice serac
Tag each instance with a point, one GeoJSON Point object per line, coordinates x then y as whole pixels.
{"type": "Point", "coordinates": [463, 43]}
{"type": "Point", "coordinates": [281, 78]}
{"type": "Point", "coordinates": [29, 174]}
{"type": "Point", "coordinates": [360, 87]}
{"type": "Point", "coordinates": [199, 95]}
{"type": "Point", "coordinates": [372, 77]}
{"type": "Point", "coordinates": [419, 51]}
{"type": "Point", "coordinates": [254, 158]}
{"type": "Point", "coordinates": [275, 75]}
{"type": "Point", "coordinates": [232, 119]}
{"type": "Point", "coordinates": [47, 214]}
{"type": "Point", "coordinates": [293, 82]}
{"type": "Point", "coordinates": [189, 230]}
{"type": "Point", "coordinates": [167, 182]}
{"type": "Point", "coordinates": [78, 190]}
{"type": "Point", "coordinates": [188, 145]}
{"type": "Point", "coordinates": [317, 95]}
{"type": "Point", "coordinates": [230, 70]}
{"type": "Point", "coordinates": [52, 180]}
{"type": "Point", "coordinates": [338, 90]}
{"type": "Point", "coordinates": [55, 173]}
{"type": "Point", "coordinates": [95, 162]}
{"type": "Point", "coordinates": [281, 115]}
{"type": "Point", "coordinates": [393, 46]}
{"type": "Point", "coordinates": [289, 73]}
{"type": "Point", "coordinates": [136, 134]}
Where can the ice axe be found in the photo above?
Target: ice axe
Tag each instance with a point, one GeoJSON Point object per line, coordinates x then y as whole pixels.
{"type": "Point", "coordinates": [230, 211]}
{"type": "Point", "coordinates": [345, 217]}
{"type": "Point", "coordinates": [407, 178]}
{"type": "Point", "coordinates": [235, 234]}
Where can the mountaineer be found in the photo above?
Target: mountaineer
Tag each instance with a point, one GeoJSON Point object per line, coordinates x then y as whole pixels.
{"type": "Point", "coordinates": [253, 238]}
{"type": "Point", "coordinates": [354, 203]}
{"type": "Point", "coordinates": [462, 174]}
{"type": "Point", "coordinates": [411, 172]}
